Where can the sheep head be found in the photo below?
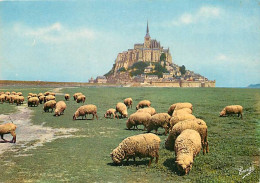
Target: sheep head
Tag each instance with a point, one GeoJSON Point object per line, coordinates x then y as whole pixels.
{"type": "Point", "coordinates": [222, 113]}
{"type": "Point", "coordinates": [184, 163]}
{"type": "Point", "coordinates": [117, 155]}
{"type": "Point", "coordinates": [76, 114]}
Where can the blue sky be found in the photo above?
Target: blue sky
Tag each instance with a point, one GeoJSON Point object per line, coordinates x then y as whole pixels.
{"type": "Point", "coordinates": [75, 40]}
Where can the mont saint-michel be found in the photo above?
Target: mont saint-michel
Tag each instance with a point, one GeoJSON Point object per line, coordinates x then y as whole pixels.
{"type": "Point", "coordinates": [150, 64]}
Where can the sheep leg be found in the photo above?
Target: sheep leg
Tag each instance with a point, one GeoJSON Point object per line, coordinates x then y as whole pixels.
{"type": "Point", "coordinates": [14, 137]}
{"type": "Point", "coordinates": [156, 159]}
{"type": "Point", "coordinates": [150, 161]}
{"type": "Point", "coordinates": [2, 137]}
{"type": "Point", "coordinates": [96, 116]}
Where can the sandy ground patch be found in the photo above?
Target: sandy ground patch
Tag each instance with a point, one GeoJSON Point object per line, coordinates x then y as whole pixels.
{"type": "Point", "coordinates": [30, 136]}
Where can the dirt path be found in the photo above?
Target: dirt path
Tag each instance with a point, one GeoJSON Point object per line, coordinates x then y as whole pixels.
{"type": "Point", "coordinates": [30, 136]}
{"type": "Point", "coordinates": [57, 91]}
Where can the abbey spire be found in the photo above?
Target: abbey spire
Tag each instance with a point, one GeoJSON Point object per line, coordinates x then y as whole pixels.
{"type": "Point", "coordinates": [147, 30]}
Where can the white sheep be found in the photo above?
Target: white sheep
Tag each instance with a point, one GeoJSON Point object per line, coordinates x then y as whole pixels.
{"type": "Point", "coordinates": [67, 96]}
{"type": "Point", "coordinates": [60, 108]}
{"type": "Point", "coordinates": [122, 109]}
{"type": "Point", "coordinates": [138, 118]}
{"type": "Point", "coordinates": [49, 105]}
{"type": "Point", "coordinates": [143, 145]}
{"type": "Point", "coordinates": [232, 109]}
{"type": "Point", "coordinates": [128, 102]}
{"type": "Point", "coordinates": [143, 103]}
{"type": "Point", "coordinates": [178, 106]}
{"type": "Point", "coordinates": [159, 120]}
{"type": "Point", "coordinates": [33, 101]}
{"type": "Point", "coordinates": [180, 117]}
{"type": "Point", "coordinates": [84, 110]}
{"type": "Point", "coordinates": [187, 146]}
{"type": "Point", "coordinates": [6, 129]}
{"type": "Point", "coordinates": [81, 99]}
{"type": "Point", "coordinates": [149, 110]}
{"type": "Point", "coordinates": [111, 112]}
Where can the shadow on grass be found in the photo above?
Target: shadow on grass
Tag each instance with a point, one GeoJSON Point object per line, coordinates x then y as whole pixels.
{"type": "Point", "coordinates": [130, 163]}
{"type": "Point", "coordinates": [171, 165]}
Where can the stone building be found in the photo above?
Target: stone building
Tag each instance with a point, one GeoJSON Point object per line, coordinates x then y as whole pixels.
{"type": "Point", "coordinates": [149, 51]}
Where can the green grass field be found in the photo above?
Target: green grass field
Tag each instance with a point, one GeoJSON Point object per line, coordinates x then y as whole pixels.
{"type": "Point", "coordinates": [233, 143]}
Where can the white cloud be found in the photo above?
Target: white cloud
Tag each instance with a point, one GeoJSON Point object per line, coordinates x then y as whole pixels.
{"type": "Point", "coordinates": [55, 33]}
{"type": "Point", "coordinates": [222, 57]}
{"type": "Point", "coordinates": [203, 14]}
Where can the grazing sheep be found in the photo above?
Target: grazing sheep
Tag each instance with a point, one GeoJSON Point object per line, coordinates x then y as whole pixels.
{"type": "Point", "coordinates": [53, 94]}
{"type": "Point", "coordinates": [149, 110]}
{"type": "Point", "coordinates": [2, 98]}
{"type": "Point", "coordinates": [81, 99]}
{"type": "Point", "coordinates": [121, 108]}
{"type": "Point", "coordinates": [13, 93]}
{"type": "Point", "coordinates": [34, 95]}
{"type": "Point", "coordinates": [143, 145]}
{"type": "Point", "coordinates": [159, 120]}
{"type": "Point", "coordinates": [33, 101]}
{"type": "Point", "coordinates": [1, 93]}
{"type": "Point", "coordinates": [6, 129]}
{"type": "Point", "coordinates": [20, 93]}
{"type": "Point", "coordinates": [49, 105]}
{"type": "Point", "coordinates": [178, 106]}
{"type": "Point", "coordinates": [128, 102]}
{"type": "Point", "coordinates": [232, 109]}
{"type": "Point", "coordinates": [138, 118]}
{"type": "Point", "coordinates": [12, 98]}
{"type": "Point", "coordinates": [48, 98]}
{"type": "Point", "coordinates": [7, 98]}
{"type": "Point", "coordinates": [60, 108]}
{"type": "Point", "coordinates": [41, 99]}
{"type": "Point", "coordinates": [183, 110]}
{"type": "Point", "coordinates": [67, 96]}
{"type": "Point", "coordinates": [194, 124]}
{"type": "Point", "coordinates": [75, 96]}
{"type": "Point", "coordinates": [7, 93]}
{"type": "Point", "coordinates": [143, 103]}
{"type": "Point", "coordinates": [111, 112]}
{"type": "Point", "coordinates": [180, 117]}
{"type": "Point", "coordinates": [84, 110]}
{"type": "Point", "coordinates": [30, 94]}
{"type": "Point", "coordinates": [47, 93]}
{"type": "Point", "coordinates": [19, 100]}
{"type": "Point", "coordinates": [40, 94]}
{"type": "Point", "coordinates": [187, 146]}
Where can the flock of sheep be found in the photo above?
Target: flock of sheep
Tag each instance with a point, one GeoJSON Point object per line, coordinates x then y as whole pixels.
{"type": "Point", "coordinates": [187, 134]}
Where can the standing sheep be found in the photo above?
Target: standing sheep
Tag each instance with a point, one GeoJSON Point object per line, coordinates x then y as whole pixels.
{"type": "Point", "coordinates": [180, 117]}
{"type": "Point", "coordinates": [6, 129]}
{"type": "Point", "coordinates": [42, 99]}
{"type": "Point", "coordinates": [187, 146]}
{"type": "Point", "coordinates": [49, 105]}
{"type": "Point", "coordinates": [194, 124]}
{"type": "Point", "coordinates": [183, 110]}
{"type": "Point", "coordinates": [67, 96]}
{"type": "Point", "coordinates": [81, 99]}
{"type": "Point", "coordinates": [128, 102]}
{"type": "Point", "coordinates": [138, 118]}
{"type": "Point", "coordinates": [49, 97]}
{"type": "Point", "coordinates": [33, 101]}
{"type": "Point", "coordinates": [2, 98]}
{"type": "Point", "coordinates": [143, 103]}
{"type": "Point", "coordinates": [178, 106]}
{"type": "Point", "coordinates": [232, 109]}
{"type": "Point", "coordinates": [149, 110]}
{"type": "Point", "coordinates": [143, 145]}
{"type": "Point", "coordinates": [84, 110]}
{"type": "Point", "coordinates": [75, 96]}
{"type": "Point", "coordinates": [121, 108]}
{"type": "Point", "coordinates": [159, 120]}
{"type": "Point", "coordinates": [111, 112]}
{"type": "Point", "coordinates": [60, 108]}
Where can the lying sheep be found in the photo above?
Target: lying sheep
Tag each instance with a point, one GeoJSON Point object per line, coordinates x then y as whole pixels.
{"type": "Point", "coordinates": [75, 96]}
{"type": "Point", "coordinates": [149, 110]}
{"type": "Point", "coordinates": [178, 106]}
{"type": "Point", "coordinates": [232, 109]}
{"type": "Point", "coordinates": [111, 112]}
{"type": "Point", "coordinates": [33, 101]}
{"type": "Point", "coordinates": [180, 117]}
{"type": "Point", "coordinates": [81, 99]}
{"type": "Point", "coordinates": [67, 96]}
{"type": "Point", "coordinates": [138, 118]}
{"type": "Point", "coordinates": [143, 145]}
{"type": "Point", "coordinates": [194, 124]}
{"type": "Point", "coordinates": [6, 129]}
{"type": "Point", "coordinates": [60, 108]}
{"type": "Point", "coordinates": [128, 102]}
{"type": "Point", "coordinates": [187, 146]}
{"type": "Point", "coordinates": [49, 105]}
{"type": "Point", "coordinates": [143, 103]}
{"type": "Point", "coordinates": [159, 120]}
{"type": "Point", "coordinates": [183, 110]}
{"type": "Point", "coordinates": [84, 110]}
{"type": "Point", "coordinates": [121, 108]}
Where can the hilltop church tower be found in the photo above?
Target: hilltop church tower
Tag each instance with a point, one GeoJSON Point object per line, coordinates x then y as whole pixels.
{"type": "Point", "coordinates": [147, 38]}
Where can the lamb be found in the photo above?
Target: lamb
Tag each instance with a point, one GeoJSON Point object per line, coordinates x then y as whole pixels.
{"type": "Point", "coordinates": [33, 101]}
{"type": "Point", "coordinates": [178, 106]}
{"type": "Point", "coordinates": [180, 117]}
{"type": "Point", "coordinates": [143, 145]}
{"type": "Point", "coordinates": [143, 103]}
{"type": "Point", "coordinates": [121, 108]}
{"type": "Point", "coordinates": [232, 109]}
{"type": "Point", "coordinates": [49, 105]}
{"type": "Point", "coordinates": [138, 118]}
{"type": "Point", "coordinates": [194, 124]}
{"type": "Point", "coordinates": [60, 108]}
{"type": "Point", "coordinates": [183, 110]}
{"type": "Point", "coordinates": [159, 120]}
{"type": "Point", "coordinates": [6, 129]}
{"type": "Point", "coordinates": [67, 97]}
{"type": "Point", "coordinates": [84, 110]}
{"type": "Point", "coordinates": [75, 96]}
{"type": "Point", "coordinates": [149, 110]}
{"type": "Point", "coordinates": [128, 102]}
{"type": "Point", "coordinates": [111, 112]}
{"type": "Point", "coordinates": [81, 98]}
{"type": "Point", "coordinates": [187, 146]}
